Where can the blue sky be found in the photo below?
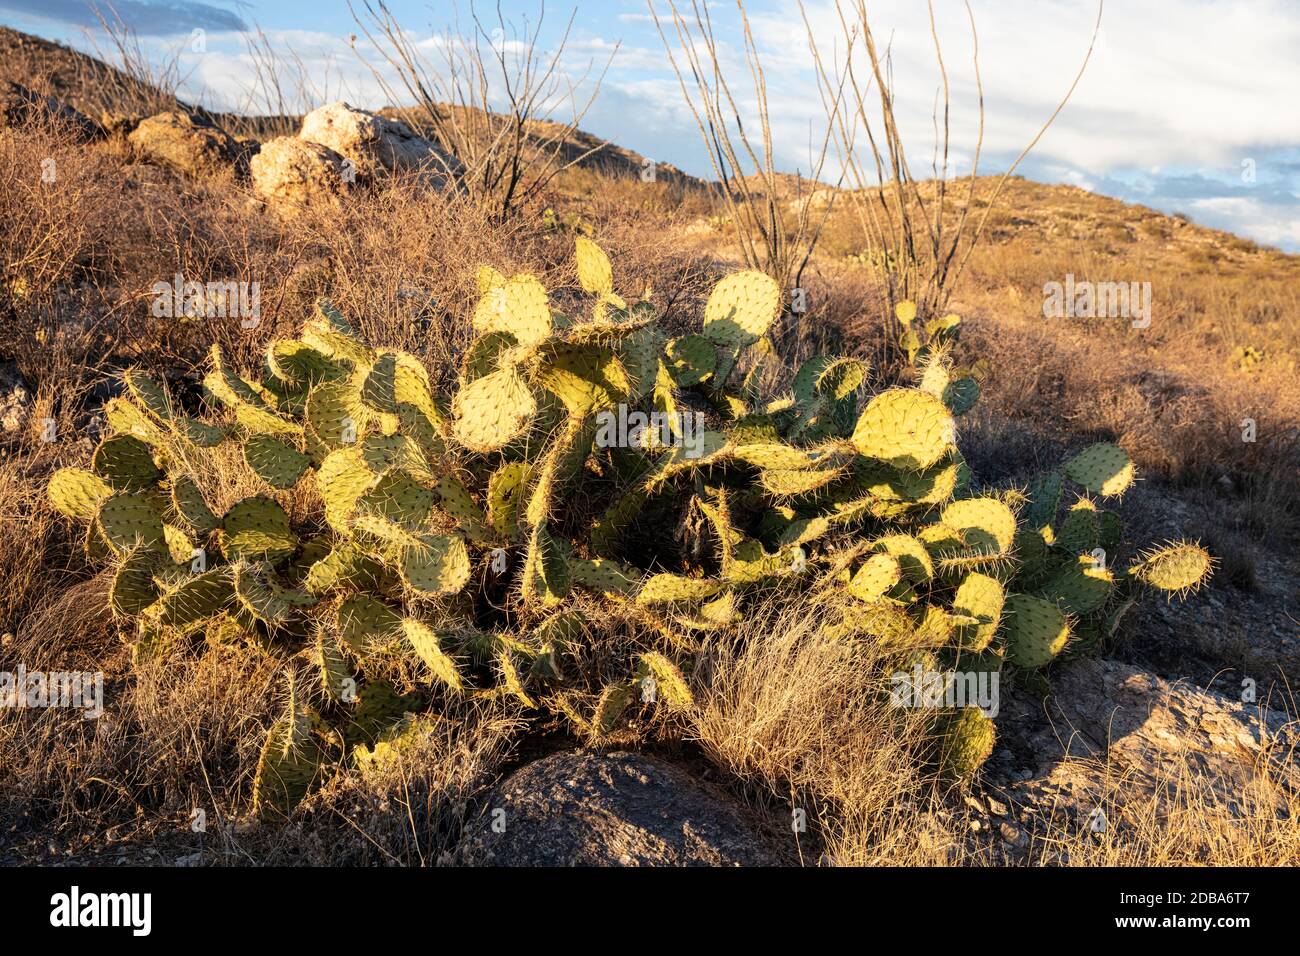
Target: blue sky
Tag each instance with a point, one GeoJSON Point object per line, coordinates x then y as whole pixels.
{"type": "Point", "coordinates": [1188, 105]}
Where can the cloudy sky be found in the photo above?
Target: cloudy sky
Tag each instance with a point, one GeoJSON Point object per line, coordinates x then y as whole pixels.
{"type": "Point", "coordinates": [1187, 106]}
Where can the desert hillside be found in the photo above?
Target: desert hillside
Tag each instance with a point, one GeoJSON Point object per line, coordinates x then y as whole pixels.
{"type": "Point", "coordinates": [536, 580]}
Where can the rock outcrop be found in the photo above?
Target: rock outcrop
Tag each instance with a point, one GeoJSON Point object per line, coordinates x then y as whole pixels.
{"type": "Point", "coordinates": [585, 808]}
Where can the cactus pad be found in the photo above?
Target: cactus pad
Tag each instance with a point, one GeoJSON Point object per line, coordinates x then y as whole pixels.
{"type": "Point", "coordinates": [78, 493]}
{"type": "Point", "coordinates": [278, 464]}
{"type": "Point", "coordinates": [1036, 630]}
{"type": "Point", "coordinates": [1104, 469]}
{"type": "Point", "coordinates": [436, 564]}
{"type": "Point", "coordinates": [493, 410]}
{"type": "Point", "coordinates": [741, 308]}
{"type": "Point", "coordinates": [979, 597]}
{"type": "Point", "coordinates": [1177, 568]}
{"type": "Point", "coordinates": [906, 428]}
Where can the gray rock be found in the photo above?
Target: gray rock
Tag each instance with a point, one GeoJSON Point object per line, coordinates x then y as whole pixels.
{"type": "Point", "coordinates": [15, 398]}
{"type": "Point", "coordinates": [585, 808]}
{"type": "Point", "coordinates": [374, 145]}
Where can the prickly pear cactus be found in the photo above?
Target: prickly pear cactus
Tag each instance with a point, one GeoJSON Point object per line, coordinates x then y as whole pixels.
{"type": "Point", "coordinates": [397, 546]}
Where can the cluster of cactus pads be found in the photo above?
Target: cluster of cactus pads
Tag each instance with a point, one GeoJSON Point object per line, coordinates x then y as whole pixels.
{"type": "Point", "coordinates": [397, 546]}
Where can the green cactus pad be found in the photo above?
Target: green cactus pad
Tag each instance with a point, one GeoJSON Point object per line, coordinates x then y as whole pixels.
{"type": "Point", "coordinates": [492, 411]}
{"type": "Point", "coordinates": [1177, 568]}
{"type": "Point", "coordinates": [363, 620]}
{"type": "Point", "coordinates": [197, 598]}
{"type": "Point", "coordinates": [980, 597]}
{"type": "Point", "coordinates": [673, 588]}
{"type": "Point", "coordinates": [437, 564]}
{"type": "Point", "coordinates": [583, 378]}
{"type": "Point", "coordinates": [126, 463]}
{"type": "Point", "coordinates": [1080, 587]}
{"type": "Point", "coordinates": [341, 480]}
{"type": "Point", "coordinates": [1104, 469]}
{"type": "Point", "coordinates": [1044, 495]}
{"type": "Point", "coordinates": [741, 308]}
{"type": "Point", "coordinates": [906, 428]}
{"type": "Point", "coordinates": [961, 395]}
{"type": "Point", "coordinates": [127, 519]}
{"type": "Point", "coordinates": [1081, 529]}
{"type": "Point", "coordinates": [1035, 630]}
{"type": "Point", "coordinates": [149, 395]}
{"type": "Point", "coordinates": [690, 360]}
{"type": "Point", "coordinates": [133, 588]}
{"type": "Point", "coordinates": [78, 493]}
{"type": "Point", "coordinates": [257, 529]}
{"type": "Point", "coordinates": [276, 463]}
{"type": "Point", "coordinates": [967, 741]}
{"type": "Point", "coordinates": [427, 644]}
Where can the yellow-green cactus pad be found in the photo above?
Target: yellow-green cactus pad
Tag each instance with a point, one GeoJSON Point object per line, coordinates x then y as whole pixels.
{"type": "Point", "coordinates": [604, 575]}
{"type": "Point", "coordinates": [1103, 468]}
{"type": "Point", "coordinates": [906, 428]}
{"type": "Point", "coordinates": [595, 273]}
{"type": "Point", "coordinates": [133, 587]}
{"type": "Point", "coordinates": [741, 308]}
{"type": "Point", "coordinates": [364, 621]}
{"type": "Point", "coordinates": [429, 646]}
{"type": "Point", "coordinates": [980, 597]}
{"type": "Point", "coordinates": [1036, 630]}
{"type": "Point", "coordinates": [278, 464]}
{"type": "Point", "coordinates": [436, 564]}
{"type": "Point", "coordinates": [670, 685]}
{"type": "Point", "coordinates": [78, 493]}
{"type": "Point", "coordinates": [985, 524]}
{"type": "Point", "coordinates": [690, 359]}
{"type": "Point", "coordinates": [341, 480]}
{"type": "Point", "coordinates": [519, 307]}
{"type": "Point", "coordinates": [911, 553]}
{"type": "Point", "coordinates": [1178, 567]}
{"type": "Point", "coordinates": [546, 570]}
{"type": "Point", "coordinates": [492, 411]}
{"type": "Point", "coordinates": [128, 519]}
{"type": "Point", "coordinates": [967, 741]}
{"type": "Point", "coordinates": [504, 493]}
{"type": "Point", "coordinates": [877, 577]}
{"type": "Point", "coordinates": [197, 598]}
{"type": "Point", "coordinates": [674, 588]}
